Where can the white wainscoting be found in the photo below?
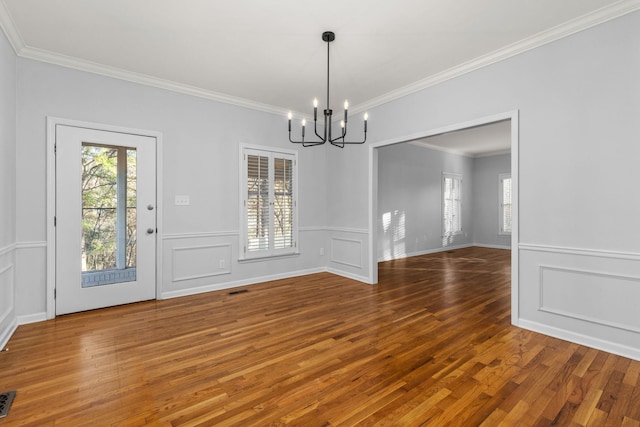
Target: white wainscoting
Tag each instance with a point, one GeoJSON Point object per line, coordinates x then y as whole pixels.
{"type": "Point", "coordinates": [590, 296]}
{"type": "Point", "coordinates": [582, 295]}
{"type": "Point", "coordinates": [8, 320]}
{"type": "Point", "coordinates": [196, 262]}
{"type": "Point", "coordinates": [34, 294]}
{"type": "Point", "coordinates": [192, 261]}
{"type": "Point", "coordinates": [348, 253]}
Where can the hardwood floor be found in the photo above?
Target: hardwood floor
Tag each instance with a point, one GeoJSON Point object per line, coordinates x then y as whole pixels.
{"type": "Point", "coordinates": [430, 345]}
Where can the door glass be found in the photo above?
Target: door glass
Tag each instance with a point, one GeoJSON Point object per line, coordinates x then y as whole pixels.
{"type": "Point", "coordinates": [108, 215]}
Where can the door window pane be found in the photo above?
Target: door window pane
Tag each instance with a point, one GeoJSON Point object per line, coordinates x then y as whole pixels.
{"type": "Point", "coordinates": [108, 215]}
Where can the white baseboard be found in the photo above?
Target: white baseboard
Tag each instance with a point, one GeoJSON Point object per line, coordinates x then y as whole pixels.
{"type": "Point", "coordinates": [482, 245]}
{"type": "Point", "coordinates": [608, 346]}
{"type": "Point", "coordinates": [6, 334]}
{"type": "Point", "coordinates": [32, 318]}
{"type": "Point", "coordinates": [427, 252]}
{"type": "Point", "coordinates": [357, 277]}
{"type": "Point", "coordinates": [237, 283]}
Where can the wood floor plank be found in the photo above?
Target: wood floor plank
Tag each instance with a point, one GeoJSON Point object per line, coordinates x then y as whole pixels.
{"type": "Point", "coordinates": [430, 345]}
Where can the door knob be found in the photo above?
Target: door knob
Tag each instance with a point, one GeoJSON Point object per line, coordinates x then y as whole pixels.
{"type": "Point", "coordinates": [150, 207]}
{"type": "Point", "coordinates": [150, 230]}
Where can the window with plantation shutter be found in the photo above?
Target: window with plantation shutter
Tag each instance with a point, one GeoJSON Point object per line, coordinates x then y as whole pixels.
{"type": "Point", "coordinates": [505, 203]}
{"type": "Point", "coordinates": [451, 204]}
{"type": "Point", "coordinates": [268, 203]}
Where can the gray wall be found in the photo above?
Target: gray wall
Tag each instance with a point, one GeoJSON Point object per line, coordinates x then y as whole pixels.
{"type": "Point", "coordinates": [578, 100]}
{"type": "Point", "coordinates": [7, 187]}
{"type": "Point", "coordinates": [409, 216]}
{"type": "Point", "coordinates": [485, 186]}
{"type": "Point", "coordinates": [201, 141]}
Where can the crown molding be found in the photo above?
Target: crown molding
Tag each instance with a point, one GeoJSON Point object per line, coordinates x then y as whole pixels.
{"type": "Point", "coordinates": [566, 29]}
{"type": "Point", "coordinates": [10, 30]}
{"type": "Point", "coordinates": [584, 22]}
{"type": "Point", "coordinates": [105, 70]}
{"type": "Point", "coordinates": [421, 143]}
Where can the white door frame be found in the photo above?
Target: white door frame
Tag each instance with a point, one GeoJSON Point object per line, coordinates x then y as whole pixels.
{"type": "Point", "coordinates": [515, 179]}
{"type": "Point", "coordinates": [52, 122]}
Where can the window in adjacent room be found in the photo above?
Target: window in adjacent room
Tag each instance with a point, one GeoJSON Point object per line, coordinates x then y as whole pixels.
{"type": "Point", "coordinates": [504, 188]}
{"type": "Point", "coordinates": [451, 206]}
{"type": "Point", "coordinates": [268, 203]}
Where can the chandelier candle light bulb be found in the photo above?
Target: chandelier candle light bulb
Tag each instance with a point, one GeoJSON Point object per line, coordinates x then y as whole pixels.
{"type": "Point", "coordinates": [339, 141]}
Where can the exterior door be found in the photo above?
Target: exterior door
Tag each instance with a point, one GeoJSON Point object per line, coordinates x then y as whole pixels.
{"type": "Point", "coordinates": [105, 218]}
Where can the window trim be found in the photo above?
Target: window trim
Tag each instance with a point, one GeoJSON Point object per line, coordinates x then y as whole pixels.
{"type": "Point", "coordinates": [457, 176]}
{"type": "Point", "coordinates": [501, 178]}
{"type": "Point", "coordinates": [269, 253]}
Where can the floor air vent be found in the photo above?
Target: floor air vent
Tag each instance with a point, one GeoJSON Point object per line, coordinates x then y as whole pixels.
{"type": "Point", "coordinates": [241, 291]}
{"type": "Point", "coordinates": [6, 399]}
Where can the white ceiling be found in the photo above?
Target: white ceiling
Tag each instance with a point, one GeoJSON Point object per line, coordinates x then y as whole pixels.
{"type": "Point", "coordinates": [269, 54]}
{"type": "Point", "coordinates": [479, 141]}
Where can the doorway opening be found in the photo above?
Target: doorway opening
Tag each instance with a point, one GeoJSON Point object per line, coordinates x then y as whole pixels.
{"type": "Point", "coordinates": [396, 225]}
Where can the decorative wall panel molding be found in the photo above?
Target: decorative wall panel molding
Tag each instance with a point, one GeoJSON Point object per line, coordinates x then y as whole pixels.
{"type": "Point", "coordinates": [6, 291]}
{"type": "Point", "coordinates": [179, 236]}
{"type": "Point", "coordinates": [8, 321]}
{"type": "Point", "coordinates": [7, 249]}
{"type": "Point", "coordinates": [31, 245]}
{"type": "Point", "coordinates": [631, 256]}
{"type": "Point", "coordinates": [237, 283]}
{"type": "Point", "coordinates": [346, 251]}
{"type": "Point", "coordinates": [196, 262]}
{"type": "Point", "coordinates": [348, 230]}
{"type": "Point", "coordinates": [598, 297]}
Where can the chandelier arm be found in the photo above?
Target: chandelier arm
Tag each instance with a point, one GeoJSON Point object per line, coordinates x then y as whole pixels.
{"type": "Point", "coordinates": [305, 143]}
{"type": "Point", "coordinates": [350, 142]}
{"type": "Point", "coordinates": [315, 129]}
{"type": "Point", "coordinates": [343, 134]}
{"type": "Point", "coordinates": [339, 141]}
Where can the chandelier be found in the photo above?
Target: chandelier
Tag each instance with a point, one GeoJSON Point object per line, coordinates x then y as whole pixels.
{"type": "Point", "coordinates": [339, 141]}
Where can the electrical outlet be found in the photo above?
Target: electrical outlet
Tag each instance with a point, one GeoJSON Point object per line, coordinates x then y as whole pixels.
{"type": "Point", "coordinates": [221, 263]}
{"type": "Point", "coordinates": [321, 251]}
{"type": "Point", "coordinates": [182, 200]}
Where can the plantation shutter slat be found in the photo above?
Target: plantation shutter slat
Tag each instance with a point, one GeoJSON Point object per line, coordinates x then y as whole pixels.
{"type": "Point", "coordinates": [257, 203]}
{"type": "Point", "coordinates": [283, 203]}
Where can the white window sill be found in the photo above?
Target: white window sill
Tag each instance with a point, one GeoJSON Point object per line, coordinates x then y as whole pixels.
{"type": "Point", "coordinates": [267, 257]}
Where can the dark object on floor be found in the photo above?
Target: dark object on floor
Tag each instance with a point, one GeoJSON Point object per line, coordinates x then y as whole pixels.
{"type": "Point", "coordinates": [6, 399]}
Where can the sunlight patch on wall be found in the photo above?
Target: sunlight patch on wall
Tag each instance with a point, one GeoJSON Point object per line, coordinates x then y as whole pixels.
{"type": "Point", "coordinates": [394, 238]}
